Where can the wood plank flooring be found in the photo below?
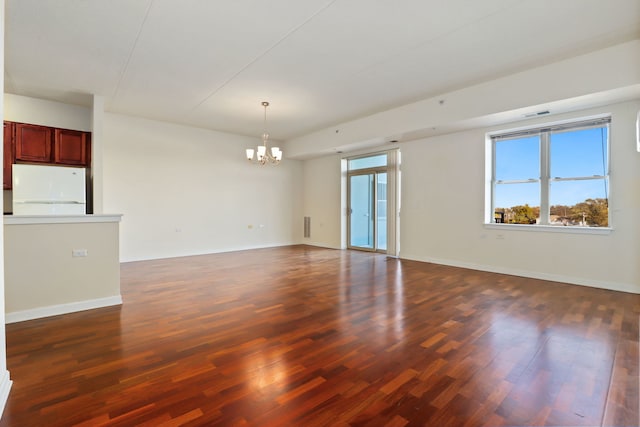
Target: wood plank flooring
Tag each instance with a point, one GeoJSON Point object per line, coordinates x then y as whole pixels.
{"type": "Point", "coordinates": [302, 336]}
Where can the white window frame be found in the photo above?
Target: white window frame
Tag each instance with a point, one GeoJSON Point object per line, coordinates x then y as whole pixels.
{"type": "Point", "coordinates": [544, 131]}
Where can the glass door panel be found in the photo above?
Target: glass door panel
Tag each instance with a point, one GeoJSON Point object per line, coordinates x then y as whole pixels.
{"type": "Point", "coordinates": [362, 211]}
{"type": "Point", "coordinates": [381, 211]}
{"type": "Point", "coordinates": [370, 224]}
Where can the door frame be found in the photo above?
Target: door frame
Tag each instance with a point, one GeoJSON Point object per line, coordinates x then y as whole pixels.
{"type": "Point", "coordinates": [392, 168]}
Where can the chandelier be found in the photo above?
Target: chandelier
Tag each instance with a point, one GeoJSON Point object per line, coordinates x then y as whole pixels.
{"type": "Point", "coordinates": [263, 155]}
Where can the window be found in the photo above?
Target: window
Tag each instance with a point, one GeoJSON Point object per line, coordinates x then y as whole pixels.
{"type": "Point", "coordinates": [555, 175]}
{"type": "Point", "coordinates": [375, 161]}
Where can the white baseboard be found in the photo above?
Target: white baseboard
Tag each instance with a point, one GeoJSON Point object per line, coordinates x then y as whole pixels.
{"type": "Point", "coordinates": [124, 259]}
{"type": "Point", "coordinates": [321, 245]}
{"type": "Point", "coordinates": [613, 286]}
{"type": "Point", "coordinates": [5, 387]}
{"type": "Point", "coordinates": [54, 310]}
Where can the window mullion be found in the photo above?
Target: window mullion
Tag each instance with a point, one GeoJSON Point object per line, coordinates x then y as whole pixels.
{"type": "Point", "coordinates": [545, 168]}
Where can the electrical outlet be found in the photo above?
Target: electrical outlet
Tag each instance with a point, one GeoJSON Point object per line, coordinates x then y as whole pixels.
{"type": "Point", "coordinates": [79, 253]}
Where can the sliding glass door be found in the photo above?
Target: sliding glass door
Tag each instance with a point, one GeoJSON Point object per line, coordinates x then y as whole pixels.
{"type": "Point", "coordinates": [368, 211]}
{"type": "Point", "coordinates": [361, 211]}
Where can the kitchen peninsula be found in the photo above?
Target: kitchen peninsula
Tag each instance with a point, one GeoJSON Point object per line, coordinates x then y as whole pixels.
{"type": "Point", "coordinates": [60, 264]}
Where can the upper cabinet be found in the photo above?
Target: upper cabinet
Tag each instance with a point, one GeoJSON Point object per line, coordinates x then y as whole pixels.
{"type": "Point", "coordinates": [33, 143]}
{"type": "Point", "coordinates": [70, 147]}
{"type": "Point", "coordinates": [27, 143]}
{"type": "Point", "coordinates": [42, 144]}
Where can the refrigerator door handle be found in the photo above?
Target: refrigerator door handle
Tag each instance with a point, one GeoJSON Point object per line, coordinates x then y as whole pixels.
{"type": "Point", "coordinates": [49, 202]}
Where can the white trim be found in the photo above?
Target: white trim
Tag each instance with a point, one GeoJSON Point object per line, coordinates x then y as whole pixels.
{"type": "Point", "coordinates": [545, 179]}
{"type": "Point", "coordinates": [638, 131]}
{"type": "Point", "coordinates": [393, 200]}
{"type": "Point", "coordinates": [613, 286]}
{"type": "Point", "coordinates": [220, 251]}
{"type": "Point", "coordinates": [324, 246]}
{"type": "Point", "coordinates": [550, 228]}
{"type": "Point", "coordinates": [5, 387]}
{"type": "Point", "coordinates": [544, 125]}
{"type": "Point", "coordinates": [54, 310]}
{"type": "Point", "coordinates": [544, 131]}
{"type": "Point", "coordinates": [59, 219]}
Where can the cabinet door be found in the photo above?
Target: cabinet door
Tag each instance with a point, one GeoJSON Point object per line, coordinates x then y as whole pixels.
{"type": "Point", "coordinates": [70, 147]}
{"type": "Point", "coordinates": [33, 143]}
{"type": "Point", "coordinates": [8, 155]}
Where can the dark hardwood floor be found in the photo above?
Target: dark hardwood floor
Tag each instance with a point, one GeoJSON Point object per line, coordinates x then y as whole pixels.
{"type": "Point", "coordinates": [302, 336]}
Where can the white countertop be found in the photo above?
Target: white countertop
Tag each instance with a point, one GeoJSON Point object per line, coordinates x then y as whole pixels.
{"type": "Point", "coordinates": [60, 219]}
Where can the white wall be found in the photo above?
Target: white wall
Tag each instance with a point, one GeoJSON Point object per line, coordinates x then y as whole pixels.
{"type": "Point", "coordinates": [443, 187]}
{"type": "Point", "coordinates": [165, 177]}
{"type": "Point", "coordinates": [42, 278]}
{"type": "Point", "coordinates": [322, 195]}
{"type": "Point", "coordinates": [186, 191]}
{"type": "Point", "coordinates": [592, 79]}
{"type": "Point", "coordinates": [443, 179]}
{"type": "Point", "coordinates": [36, 111]}
{"type": "Point", "coordinates": [443, 208]}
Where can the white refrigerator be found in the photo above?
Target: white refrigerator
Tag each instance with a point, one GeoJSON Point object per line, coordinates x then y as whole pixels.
{"type": "Point", "coordinates": [48, 190]}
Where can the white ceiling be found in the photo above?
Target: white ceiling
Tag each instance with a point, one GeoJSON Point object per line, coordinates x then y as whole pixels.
{"type": "Point", "coordinates": [210, 63]}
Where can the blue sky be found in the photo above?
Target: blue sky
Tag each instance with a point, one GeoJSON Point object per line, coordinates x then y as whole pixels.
{"type": "Point", "coordinates": [573, 154]}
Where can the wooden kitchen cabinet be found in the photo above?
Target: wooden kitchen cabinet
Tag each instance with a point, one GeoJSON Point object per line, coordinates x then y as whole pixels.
{"type": "Point", "coordinates": [70, 147]}
{"type": "Point", "coordinates": [33, 143]}
{"type": "Point", "coordinates": [8, 155]}
{"type": "Point", "coordinates": [42, 144]}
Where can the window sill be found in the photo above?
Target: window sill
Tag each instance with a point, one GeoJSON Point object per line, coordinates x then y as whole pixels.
{"type": "Point", "coordinates": [550, 228]}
